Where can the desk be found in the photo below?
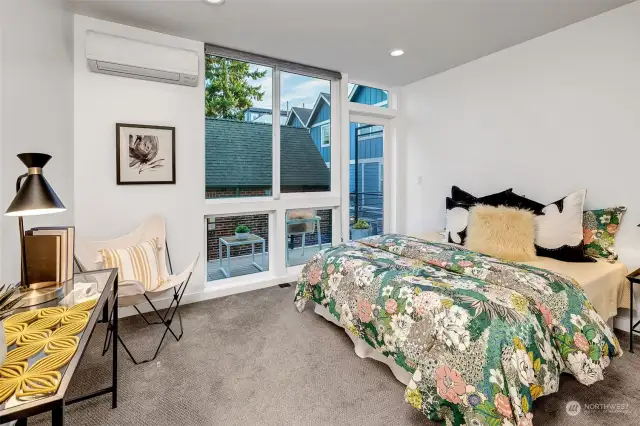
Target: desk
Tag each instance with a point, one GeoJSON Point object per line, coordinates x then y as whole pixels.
{"type": "Point", "coordinates": [105, 308]}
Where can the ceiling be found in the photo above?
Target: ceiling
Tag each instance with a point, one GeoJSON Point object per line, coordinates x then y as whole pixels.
{"type": "Point", "coordinates": [355, 36]}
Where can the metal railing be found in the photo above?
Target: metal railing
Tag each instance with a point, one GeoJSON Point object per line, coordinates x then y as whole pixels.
{"type": "Point", "coordinates": [367, 206]}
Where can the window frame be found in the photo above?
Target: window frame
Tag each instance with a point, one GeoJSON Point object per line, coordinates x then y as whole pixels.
{"type": "Point", "coordinates": [323, 130]}
{"type": "Point", "coordinates": [277, 204]}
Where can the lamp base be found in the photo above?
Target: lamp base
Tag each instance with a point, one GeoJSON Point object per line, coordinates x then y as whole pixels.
{"type": "Point", "coordinates": [37, 296]}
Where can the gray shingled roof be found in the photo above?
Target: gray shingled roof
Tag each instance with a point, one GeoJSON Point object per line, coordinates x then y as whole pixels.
{"type": "Point", "coordinates": [303, 114]}
{"type": "Point", "coordinates": [238, 154]}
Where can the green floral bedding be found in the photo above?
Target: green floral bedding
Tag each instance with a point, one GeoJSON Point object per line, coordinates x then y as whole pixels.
{"type": "Point", "coordinates": [482, 337]}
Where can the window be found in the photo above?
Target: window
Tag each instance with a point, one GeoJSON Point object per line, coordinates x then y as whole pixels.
{"type": "Point", "coordinates": [308, 231]}
{"type": "Point", "coordinates": [305, 149]}
{"type": "Point", "coordinates": [366, 95]}
{"type": "Point", "coordinates": [268, 132]}
{"type": "Point", "coordinates": [231, 253]}
{"type": "Point", "coordinates": [238, 128]}
{"type": "Point", "coordinates": [325, 135]}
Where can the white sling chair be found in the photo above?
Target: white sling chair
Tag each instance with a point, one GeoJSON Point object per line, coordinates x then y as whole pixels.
{"type": "Point", "coordinates": [132, 293]}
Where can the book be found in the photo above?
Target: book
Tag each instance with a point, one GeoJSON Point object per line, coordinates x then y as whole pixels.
{"type": "Point", "coordinates": [67, 246]}
{"type": "Point", "coordinates": [43, 258]}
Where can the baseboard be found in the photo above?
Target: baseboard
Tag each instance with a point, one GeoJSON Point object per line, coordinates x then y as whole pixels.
{"type": "Point", "coordinates": [211, 291]}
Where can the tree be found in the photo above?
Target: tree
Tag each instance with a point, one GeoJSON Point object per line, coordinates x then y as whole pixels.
{"type": "Point", "coordinates": [228, 89]}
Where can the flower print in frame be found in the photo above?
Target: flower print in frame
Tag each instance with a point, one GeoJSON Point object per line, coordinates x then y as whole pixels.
{"type": "Point", "coordinates": [145, 154]}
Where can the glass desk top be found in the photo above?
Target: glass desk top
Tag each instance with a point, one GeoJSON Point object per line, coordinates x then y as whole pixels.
{"type": "Point", "coordinates": [85, 286]}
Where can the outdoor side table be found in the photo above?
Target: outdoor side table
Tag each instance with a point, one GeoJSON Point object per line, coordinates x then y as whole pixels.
{"type": "Point", "coordinates": [233, 241]}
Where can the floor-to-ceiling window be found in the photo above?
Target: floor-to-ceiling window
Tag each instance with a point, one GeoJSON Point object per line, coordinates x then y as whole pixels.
{"type": "Point", "coordinates": [272, 164]}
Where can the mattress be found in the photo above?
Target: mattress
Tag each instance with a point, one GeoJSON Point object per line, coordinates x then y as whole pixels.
{"type": "Point", "coordinates": [604, 283]}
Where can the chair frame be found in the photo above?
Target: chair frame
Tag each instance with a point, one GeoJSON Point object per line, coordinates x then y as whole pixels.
{"type": "Point", "coordinates": [178, 292]}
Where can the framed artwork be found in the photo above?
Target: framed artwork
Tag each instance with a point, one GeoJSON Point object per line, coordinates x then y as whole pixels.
{"type": "Point", "coordinates": [145, 154]}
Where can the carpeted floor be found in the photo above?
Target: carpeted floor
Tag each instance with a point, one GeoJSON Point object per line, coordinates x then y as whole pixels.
{"type": "Point", "coordinates": [251, 359]}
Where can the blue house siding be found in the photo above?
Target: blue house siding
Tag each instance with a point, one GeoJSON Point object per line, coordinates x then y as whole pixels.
{"type": "Point", "coordinates": [295, 122]}
{"type": "Point", "coordinates": [369, 95]}
{"type": "Point", "coordinates": [322, 114]}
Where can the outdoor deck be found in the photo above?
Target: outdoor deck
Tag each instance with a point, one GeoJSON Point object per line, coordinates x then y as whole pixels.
{"type": "Point", "coordinates": [241, 265]}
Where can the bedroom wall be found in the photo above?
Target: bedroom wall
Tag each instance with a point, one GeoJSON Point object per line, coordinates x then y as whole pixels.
{"type": "Point", "coordinates": [36, 110]}
{"type": "Point", "coordinates": [547, 117]}
{"type": "Point", "coordinates": [105, 210]}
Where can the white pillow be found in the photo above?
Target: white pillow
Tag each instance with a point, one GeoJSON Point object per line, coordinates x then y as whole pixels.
{"type": "Point", "coordinates": [558, 229]}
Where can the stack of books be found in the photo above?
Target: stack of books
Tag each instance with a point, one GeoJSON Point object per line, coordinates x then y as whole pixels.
{"type": "Point", "coordinates": [49, 253]}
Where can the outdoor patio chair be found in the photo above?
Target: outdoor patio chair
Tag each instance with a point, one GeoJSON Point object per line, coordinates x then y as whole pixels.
{"type": "Point", "coordinates": [132, 293]}
{"type": "Point", "coordinates": [302, 222]}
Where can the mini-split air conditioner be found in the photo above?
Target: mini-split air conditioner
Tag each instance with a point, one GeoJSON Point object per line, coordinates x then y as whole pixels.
{"type": "Point", "coordinates": [108, 54]}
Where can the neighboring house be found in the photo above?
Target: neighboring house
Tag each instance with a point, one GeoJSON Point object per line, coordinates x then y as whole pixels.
{"type": "Point", "coordinates": [368, 96]}
{"type": "Point", "coordinates": [370, 164]}
{"type": "Point", "coordinates": [263, 115]}
{"type": "Point", "coordinates": [318, 121]}
{"type": "Point", "coordinates": [238, 159]}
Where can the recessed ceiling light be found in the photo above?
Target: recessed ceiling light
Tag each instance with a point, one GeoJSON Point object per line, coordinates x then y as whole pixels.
{"type": "Point", "coordinates": [396, 52]}
{"type": "Point", "coordinates": [214, 1]}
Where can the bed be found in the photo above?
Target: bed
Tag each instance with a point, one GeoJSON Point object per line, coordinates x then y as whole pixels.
{"type": "Point", "coordinates": [604, 282]}
{"type": "Point", "coordinates": [475, 339]}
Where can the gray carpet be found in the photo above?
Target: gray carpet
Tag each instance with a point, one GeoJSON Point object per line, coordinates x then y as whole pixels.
{"type": "Point", "coordinates": [251, 359]}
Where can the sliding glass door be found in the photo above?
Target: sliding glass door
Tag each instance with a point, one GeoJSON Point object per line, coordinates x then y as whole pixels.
{"type": "Point", "coordinates": [367, 176]}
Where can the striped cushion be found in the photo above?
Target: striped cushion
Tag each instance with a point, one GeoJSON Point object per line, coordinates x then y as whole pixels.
{"type": "Point", "coordinates": [136, 263]}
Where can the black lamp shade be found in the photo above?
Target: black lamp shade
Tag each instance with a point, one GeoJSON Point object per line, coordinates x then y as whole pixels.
{"type": "Point", "coordinates": [35, 196]}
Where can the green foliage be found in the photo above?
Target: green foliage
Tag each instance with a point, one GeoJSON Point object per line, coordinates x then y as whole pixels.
{"type": "Point", "coordinates": [228, 91]}
{"type": "Point", "coordinates": [361, 224]}
{"type": "Point", "coordinates": [242, 229]}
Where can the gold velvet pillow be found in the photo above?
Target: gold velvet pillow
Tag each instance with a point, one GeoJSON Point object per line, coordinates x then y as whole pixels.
{"type": "Point", "coordinates": [502, 232]}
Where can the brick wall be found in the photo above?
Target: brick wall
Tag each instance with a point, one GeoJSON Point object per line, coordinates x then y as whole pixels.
{"type": "Point", "coordinates": [237, 192]}
{"type": "Point", "coordinates": [259, 225]}
{"type": "Point", "coordinates": [256, 191]}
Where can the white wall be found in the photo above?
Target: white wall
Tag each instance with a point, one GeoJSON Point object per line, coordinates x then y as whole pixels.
{"type": "Point", "coordinates": [105, 210]}
{"type": "Point", "coordinates": [36, 110]}
{"type": "Point", "coordinates": [547, 117]}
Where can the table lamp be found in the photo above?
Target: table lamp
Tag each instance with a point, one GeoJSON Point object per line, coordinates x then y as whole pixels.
{"type": "Point", "coordinates": [33, 197]}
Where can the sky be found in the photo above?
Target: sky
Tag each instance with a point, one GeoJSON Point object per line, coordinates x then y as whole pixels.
{"type": "Point", "coordinates": [295, 90]}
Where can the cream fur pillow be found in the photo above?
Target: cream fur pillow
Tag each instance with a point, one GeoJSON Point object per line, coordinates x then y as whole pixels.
{"type": "Point", "coordinates": [503, 232]}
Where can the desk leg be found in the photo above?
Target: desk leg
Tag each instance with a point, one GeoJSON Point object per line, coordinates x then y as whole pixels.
{"type": "Point", "coordinates": [319, 237]}
{"type": "Point", "coordinates": [253, 252]}
{"type": "Point", "coordinates": [263, 243]}
{"type": "Point", "coordinates": [229, 260]}
{"type": "Point", "coordinates": [631, 317]}
{"type": "Point", "coordinates": [114, 343]}
{"type": "Point", "coordinates": [57, 415]}
{"type": "Point", "coordinates": [220, 252]}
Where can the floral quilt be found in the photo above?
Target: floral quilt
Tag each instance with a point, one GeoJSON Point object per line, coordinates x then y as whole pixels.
{"type": "Point", "coordinates": [482, 337]}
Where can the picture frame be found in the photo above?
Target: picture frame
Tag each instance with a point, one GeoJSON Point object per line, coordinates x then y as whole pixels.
{"type": "Point", "coordinates": [145, 154]}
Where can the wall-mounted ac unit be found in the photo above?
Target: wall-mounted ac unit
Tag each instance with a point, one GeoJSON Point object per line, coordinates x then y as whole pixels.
{"type": "Point", "coordinates": [108, 54]}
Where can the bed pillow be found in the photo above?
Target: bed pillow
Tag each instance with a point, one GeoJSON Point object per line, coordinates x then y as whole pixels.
{"type": "Point", "coordinates": [522, 202]}
{"type": "Point", "coordinates": [599, 228]}
{"type": "Point", "coordinates": [457, 217]}
{"type": "Point", "coordinates": [559, 232]}
{"type": "Point", "coordinates": [503, 232]}
{"type": "Point", "coordinates": [499, 198]}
